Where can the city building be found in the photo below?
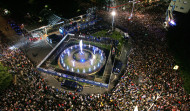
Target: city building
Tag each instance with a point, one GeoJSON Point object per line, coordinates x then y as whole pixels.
{"type": "Point", "coordinates": [179, 6]}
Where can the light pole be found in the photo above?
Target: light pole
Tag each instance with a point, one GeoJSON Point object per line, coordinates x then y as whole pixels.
{"type": "Point", "coordinates": [113, 14]}
{"type": "Point", "coordinates": [132, 10]}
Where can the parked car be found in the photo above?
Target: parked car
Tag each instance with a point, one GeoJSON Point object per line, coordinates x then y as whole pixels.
{"type": "Point", "coordinates": [72, 85]}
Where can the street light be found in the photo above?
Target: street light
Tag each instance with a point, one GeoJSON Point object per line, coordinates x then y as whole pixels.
{"type": "Point", "coordinates": [113, 14]}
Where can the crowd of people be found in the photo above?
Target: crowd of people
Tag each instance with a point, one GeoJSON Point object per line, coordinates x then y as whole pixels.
{"type": "Point", "coordinates": [149, 82]}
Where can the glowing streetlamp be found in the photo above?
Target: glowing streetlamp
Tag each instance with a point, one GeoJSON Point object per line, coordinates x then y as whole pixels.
{"type": "Point", "coordinates": [176, 67]}
{"type": "Point", "coordinates": [113, 13]}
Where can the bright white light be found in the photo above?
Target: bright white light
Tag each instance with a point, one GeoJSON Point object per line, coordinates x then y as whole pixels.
{"type": "Point", "coordinates": [60, 30]}
{"type": "Point", "coordinates": [93, 57]}
{"type": "Point", "coordinates": [113, 13]}
{"type": "Point", "coordinates": [91, 62]}
{"type": "Point", "coordinates": [98, 64]}
{"type": "Point", "coordinates": [72, 70]}
{"type": "Point", "coordinates": [136, 108]}
{"type": "Point", "coordinates": [73, 63]}
{"type": "Point", "coordinates": [176, 67]}
{"type": "Point", "coordinates": [89, 69]}
{"type": "Point", "coordinates": [12, 47]}
{"type": "Point", "coordinates": [172, 22]}
{"type": "Point", "coordinates": [80, 44]}
{"type": "Point", "coordinates": [6, 11]}
{"type": "Point", "coordinates": [68, 52]}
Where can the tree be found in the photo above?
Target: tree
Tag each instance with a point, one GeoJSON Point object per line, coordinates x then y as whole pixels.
{"type": "Point", "coordinates": [5, 77]}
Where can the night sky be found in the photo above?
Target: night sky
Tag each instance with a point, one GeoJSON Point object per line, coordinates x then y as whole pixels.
{"type": "Point", "coordinates": [64, 8]}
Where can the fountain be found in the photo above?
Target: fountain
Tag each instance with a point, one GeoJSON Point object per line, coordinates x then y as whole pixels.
{"type": "Point", "coordinates": [82, 58]}
{"type": "Point", "coordinates": [80, 44]}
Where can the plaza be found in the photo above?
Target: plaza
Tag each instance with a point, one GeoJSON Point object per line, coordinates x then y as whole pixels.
{"type": "Point", "coordinates": [151, 77]}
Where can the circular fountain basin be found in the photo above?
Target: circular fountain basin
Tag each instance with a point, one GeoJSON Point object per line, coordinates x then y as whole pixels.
{"type": "Point", "coordinates": [88, 61]}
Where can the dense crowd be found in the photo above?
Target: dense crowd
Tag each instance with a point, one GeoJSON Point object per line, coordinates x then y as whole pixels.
{"type": "Point", "coordinates": [149, 81]}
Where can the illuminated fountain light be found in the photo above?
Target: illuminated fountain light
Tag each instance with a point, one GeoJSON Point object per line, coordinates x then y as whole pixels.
{"type": "Point", "coordinates": [84, 71]}
{"type": "Point", "coordinates": [98, 65]}
{"type": "Point", "coordinates": [68, 52]}
{"type": "Point", "coordinates": [80, 45]}
{"type": "Point", "coordinates": [73, 63]}
{"type": "Point", "coordinates": [91, 62]}
{"type": "Point", "coordinates": [89, 69]}
{"type": "Point", "coordinates": [72, 70]}
{"type": "Point", "coordinates": [62, 60]}
{"type": "Point", "coordinates": [95, 59]}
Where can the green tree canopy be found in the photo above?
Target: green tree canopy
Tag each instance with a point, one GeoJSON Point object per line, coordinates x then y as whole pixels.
{"type": "Point", "coordinates": [5, 77]}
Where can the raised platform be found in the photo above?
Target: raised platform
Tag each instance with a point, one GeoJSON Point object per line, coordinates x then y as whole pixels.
{"type": "Point", "coordinates": [66, 60]}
